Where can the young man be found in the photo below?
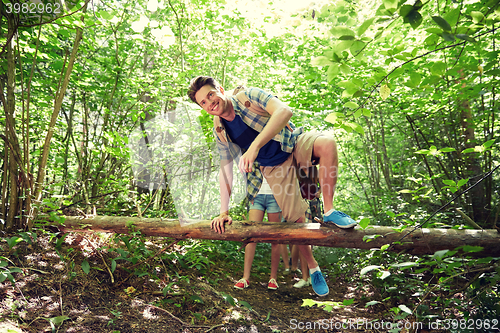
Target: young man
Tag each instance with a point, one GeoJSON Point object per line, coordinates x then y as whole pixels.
{"type": "Point", "coordinates": [259, 124]}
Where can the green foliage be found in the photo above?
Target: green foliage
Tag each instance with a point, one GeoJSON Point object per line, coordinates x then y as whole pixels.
{"type": "Point", "coordinates": [408, 90]}
{"type": "Point", "coordinates": [6, 272]}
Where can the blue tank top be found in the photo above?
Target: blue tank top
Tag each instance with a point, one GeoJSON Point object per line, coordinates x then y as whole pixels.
{"type": "Point", "coordinates": [241, 134]}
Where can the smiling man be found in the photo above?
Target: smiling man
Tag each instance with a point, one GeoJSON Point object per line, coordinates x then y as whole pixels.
{"type": "Point", "coordinates": [258, 124]}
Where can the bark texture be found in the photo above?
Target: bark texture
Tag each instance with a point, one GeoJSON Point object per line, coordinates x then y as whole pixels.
{"type": "Point", "coordinates": [422, 241]}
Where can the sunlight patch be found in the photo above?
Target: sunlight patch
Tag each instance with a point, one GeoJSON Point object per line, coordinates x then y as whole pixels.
{"type": "Point", "coordinates": [148, 313]}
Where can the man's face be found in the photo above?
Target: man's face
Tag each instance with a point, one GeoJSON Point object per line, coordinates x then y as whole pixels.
{"type": "Point", "coordinates": [211, 100]}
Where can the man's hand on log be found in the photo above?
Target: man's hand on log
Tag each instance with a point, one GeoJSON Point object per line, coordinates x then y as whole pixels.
{"type": "Point", "coordinates": [218, 222]}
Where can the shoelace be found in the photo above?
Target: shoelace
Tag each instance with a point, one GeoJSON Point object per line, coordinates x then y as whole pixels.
{"type": "Point", "coordinates": [317, 277]}
{"type": "Point", "coordinates": [340, 213]}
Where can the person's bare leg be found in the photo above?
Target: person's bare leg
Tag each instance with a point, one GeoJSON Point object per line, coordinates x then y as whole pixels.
{"type": "Point", "coordinates": [249, 255]}
{"type": "Point", "coordinates": [275, 249]}
{"type": "Point", "coordinates": [257, 216]}
{"type": "Point", "coordinates": [306, 250]}
{"type": "Point", "coordinates": [303, 267]}
{"type": "Point", "coordinates": [284, 255]}
{"type": "Point", "coordinates": [325, 149]}
{"type": "Point", "coordinates": [294, 252]}
{"type": "Point", "coordinates": [275, 260]}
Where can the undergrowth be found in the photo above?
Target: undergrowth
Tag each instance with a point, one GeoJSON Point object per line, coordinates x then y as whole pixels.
{"type": "Point", "coordinates": [429, 288]}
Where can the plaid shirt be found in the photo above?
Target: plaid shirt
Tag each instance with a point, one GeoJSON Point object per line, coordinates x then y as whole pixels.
{"type": "Point", "coordinates": [287, 137]}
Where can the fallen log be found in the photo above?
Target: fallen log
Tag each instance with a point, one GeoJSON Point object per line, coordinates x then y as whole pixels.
{"type": "Point", "coordinates": [421, 241]}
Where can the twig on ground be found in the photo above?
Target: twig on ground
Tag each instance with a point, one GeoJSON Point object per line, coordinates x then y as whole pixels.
{"type": "Point", "coordinates": [103, 260]}
{"type": "Point", "coordinates": [148, 259]}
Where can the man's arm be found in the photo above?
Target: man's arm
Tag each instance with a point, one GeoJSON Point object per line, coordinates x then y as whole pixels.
{"type": "Point", "coordinates": [225, 184]}
{"type": "Point", "coordinates": [280, 115]}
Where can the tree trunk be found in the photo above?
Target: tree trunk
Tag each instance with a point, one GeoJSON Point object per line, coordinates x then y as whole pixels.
{"type": "Point", "coordinates": [480, 208]}
{"type": "Point", "coordinates": [42, 164]}
{"type": "Point", "coordinates": [11, 134]}
{"type": "Point", "coordinates": [424, 241]}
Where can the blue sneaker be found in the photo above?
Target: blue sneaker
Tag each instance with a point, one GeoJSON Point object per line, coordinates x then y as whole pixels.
{"type": "Point", "coordinates": [319, 284]}
{"type": "Point", "coordinates": [340, 219]}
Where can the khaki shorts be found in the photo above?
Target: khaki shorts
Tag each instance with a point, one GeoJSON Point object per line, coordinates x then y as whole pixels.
{"type": "Point", "coordinates": [283, 178]}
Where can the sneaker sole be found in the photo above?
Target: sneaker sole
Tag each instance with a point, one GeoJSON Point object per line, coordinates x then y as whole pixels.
{"type": "Point", "coordinates": [329, 224]}
{"type": "Point", "coordinates": [322, 294]}
{"type": "Point", "coordinates": [349, 226]}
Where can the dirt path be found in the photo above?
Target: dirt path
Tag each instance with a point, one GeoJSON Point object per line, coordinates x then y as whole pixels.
{"type": "Point", "coordinates": [54, 295]}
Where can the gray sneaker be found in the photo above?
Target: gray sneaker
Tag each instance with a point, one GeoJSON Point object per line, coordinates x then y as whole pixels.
{"type": "Point", "coordinates": [303, 283]}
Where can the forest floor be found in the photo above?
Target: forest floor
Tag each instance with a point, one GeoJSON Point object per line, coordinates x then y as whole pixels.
{"type": "Point", "coordinates": [54, 294]}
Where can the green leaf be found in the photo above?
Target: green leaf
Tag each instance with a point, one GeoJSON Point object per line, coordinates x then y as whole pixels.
{"type": "Point", "coordinates": [435, 31]}
{"type": "Point", "coordinates": [462, 182]}
{"type": "Point", "coordinates": [371, 303]}
{"type": "Point", "coordinates": [58, 320]}
{"type": "Point", "coordinates": [489, 143]}
{"type": "Point", "coordinates": [405, 10]}
{"type": "Point", "coordinates": [86, 267]}
{"type": "Point", "coordinates": [364, 223]}
{"type": "Point", "coordinates": [438, 68]}
{"type": "Point", "coordinates": [471, 249]}
{"type": "Point", "coordinates": [405, 264]}
{"type": "Point", "coordinates": [308, 302]}
{"type": "Point", "coordinates": [414, 18]}
{"type": "Point", "coordinates": [390, 4]}
{"type": "Point", "coordinates": [405, 308]}
{"type": "Point", "coordinates": [12, 241]}
{"type": "Point", "coordinates": [477, 17]}
{"type": "Point", "coordinates": [332, 72]}
{"type": "Point", "coordinates": [351, 105]}
{"type": "Point", "coordinates": [363, 27]}
{"type": "Point", "coordinates": [113, 266]}
{"type": "Point", "coordinates": [357, 127]}
{"type": "Point", "coordinates": [167, 288]}
{"type": "Point", "coordinates": [448, 37]}
{"type": "Point", "coordinates": [367, 112]}
{"type": "Point", "coordinates": [384, 92]}
{"type": "Point", "coordinates": [60, 241]}
{"type": "Point", "coordinates": [347, 37]}
{"type": "Point", "coordinates": [384, 247]}
{"type": "Point", "coordinates": [341, 31]}
{"type": "Point", "coordinates": [105, 15]}
{"type": "Point", "coordinates": [440, 254]}
{"type": "Point", "coordinates": [348, 302]}
{"type": "Point", "coordinates": [415, 78]}
{"type": "Point", "coordinates": [468, 150]}
{"type": "Point", "coordinates": [368, 269]}
{"type": "Point", "coordinates": [447, 150]}
{"type": "Point", "coordinates": [442, 23]}
{"type": "Point", "coordinates": [465, 37]}
{"type": "Point", "coordinates": [342, 45]}
{"type": "Point", "coordinates": [328, 308]}
{"type": "Point", "coordinates": [196, 299]}
{"type": "Point", "coordinates": [383, 275]}
{"type": "Point", "coordinates": [246, 305]}
{"type": "Point", "coordinates": [228, 298]}
{"type": "Point", "coordinates": [345, 69]}
{"type": "Point", "coordinates": [321, 61]}
{"type": "Point", "coordinates": [449, 182]}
